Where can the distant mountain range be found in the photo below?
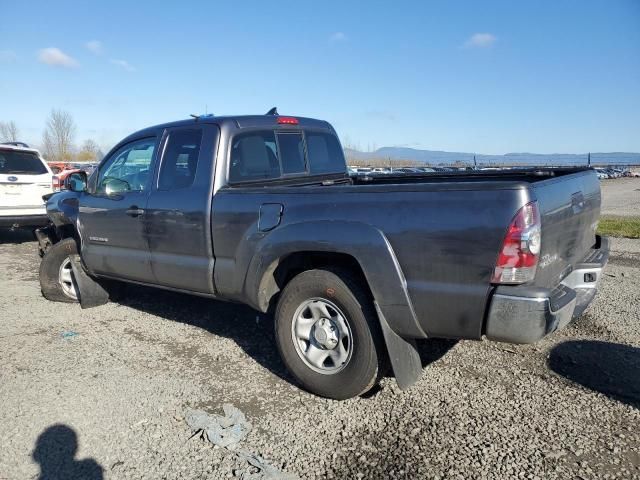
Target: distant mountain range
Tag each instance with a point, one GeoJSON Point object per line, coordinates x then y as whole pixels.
{"type": "Point", "coordinates": [435, 157]}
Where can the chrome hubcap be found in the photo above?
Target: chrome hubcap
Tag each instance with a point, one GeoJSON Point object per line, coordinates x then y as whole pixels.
{"type": "Point", "coordinates": [322, 336]}
{"type": "Point", "coordinates": [65, 278]}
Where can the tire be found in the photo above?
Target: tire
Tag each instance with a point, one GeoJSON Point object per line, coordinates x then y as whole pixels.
{"type": "Point", "coordinates": [51, 278]}
{"type": "Point", "coordinates": [337, 294]}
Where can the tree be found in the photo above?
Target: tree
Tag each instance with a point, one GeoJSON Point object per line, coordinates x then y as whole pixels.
{"type": "Point", "coordinates": [9, 132]}
{"type": "Point", "coordinates": [89, 152]}
{"type": "Point", "coordinates": [57, 139]}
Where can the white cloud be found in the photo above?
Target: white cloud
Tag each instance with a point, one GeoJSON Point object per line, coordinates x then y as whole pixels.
{"type": "Point", "coordinates": [94, 46]}
{"type": "Point", "coordinates": [56, 58]}
{"type": "Point", "coordinates": [8, 56]}
{"type": "Point", "coordinates": [338, 37]}
{"type": "Point", "coordinates": [123, 64]}
{"type": "Point", "coordinates": [480, 40]}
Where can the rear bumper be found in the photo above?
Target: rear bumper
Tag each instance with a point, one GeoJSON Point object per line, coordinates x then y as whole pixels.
{"type": "Point", "coordinates": [23, 221]}
{"type": "Point", "coordinates": [526, 314]}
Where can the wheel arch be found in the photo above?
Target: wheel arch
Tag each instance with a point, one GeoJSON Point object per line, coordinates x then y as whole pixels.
{"type": "Point", "coordinates": [360, 248]}
{"type": "Point", "coordinates": [282, 270]}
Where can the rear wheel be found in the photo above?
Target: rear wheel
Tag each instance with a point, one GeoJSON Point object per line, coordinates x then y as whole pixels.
{"type": "Point", "coordinates": [328, 335]}
{"type": "Point", "coordinates": [56, 275]}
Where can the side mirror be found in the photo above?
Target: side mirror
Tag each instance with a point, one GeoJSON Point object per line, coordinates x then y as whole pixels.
{"type": "Point", "coordinates": [116, 186]}
{"type": "Point", "coordinates": [76, 182]}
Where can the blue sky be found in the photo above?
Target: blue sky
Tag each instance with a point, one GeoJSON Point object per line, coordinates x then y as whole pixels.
{"type": "Point", "coordinates": [486, 77]}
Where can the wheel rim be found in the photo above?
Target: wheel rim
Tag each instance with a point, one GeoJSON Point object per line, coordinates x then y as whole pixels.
{"type": "Point", "coordinates": [322, 336]}
{"type": "Point", "coordinates": [65, 279]}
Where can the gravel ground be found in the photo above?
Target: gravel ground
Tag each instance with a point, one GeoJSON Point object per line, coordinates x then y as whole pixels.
{"type": "Point", "coordinates": [621, 196]}
{"type": "Point", "coordinates": [117, 391]}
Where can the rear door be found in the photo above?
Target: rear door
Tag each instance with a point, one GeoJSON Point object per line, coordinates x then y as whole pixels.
{"type": "Point", "coordinates": [112, 216]}
{"type": "Point", "coordinates": [179, 209]}
{"type": "Point", "coordinates": [24, 179]}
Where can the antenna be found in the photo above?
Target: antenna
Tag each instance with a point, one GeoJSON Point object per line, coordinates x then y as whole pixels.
{"type": "Point", "coordinates": [273, 111]}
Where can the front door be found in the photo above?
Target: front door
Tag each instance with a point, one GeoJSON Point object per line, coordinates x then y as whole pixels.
{"type": "Point", "coordinates": [112, 216]}
{"type": "Point", "coordinates": [179, 210]}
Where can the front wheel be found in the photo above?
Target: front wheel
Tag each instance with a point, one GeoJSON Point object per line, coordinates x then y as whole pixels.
{"type": "Point", "coordinates": [328, 335]}
{"type": "Point", "coordinates": [56, 275]}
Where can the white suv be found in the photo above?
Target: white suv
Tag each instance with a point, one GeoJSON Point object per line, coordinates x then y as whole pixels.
{"type": "Point", "coordinates": [24, 178]}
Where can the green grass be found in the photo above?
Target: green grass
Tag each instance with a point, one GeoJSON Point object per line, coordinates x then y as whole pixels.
{"type": "Point", "coordinates": [628, 227]}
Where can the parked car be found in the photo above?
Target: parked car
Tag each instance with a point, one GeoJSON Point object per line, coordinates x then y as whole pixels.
{"type": "Point", "coordinates": [381, 170]}
{"type": "Point", "coordinates": [602, 174]}
{"type": "Point", "coordinates": [612, 173]}
{"type": "Point", "coordinates": [68, 169]}
{"type": "Point", "coordinates": [260, 210]}
{"type": "Point", "coordinates": [406, 170]}
{"type": "Point", "coordinates": [56, 167]}
{"type": "Point", "coordinates": [24, 179]}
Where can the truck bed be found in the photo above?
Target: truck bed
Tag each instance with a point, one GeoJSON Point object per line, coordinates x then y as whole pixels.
{"type": "Point", "coordinates": [445, 230]}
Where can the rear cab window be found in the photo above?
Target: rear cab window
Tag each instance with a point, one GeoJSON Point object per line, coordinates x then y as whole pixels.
{"type": "Point", "coordinates": [270, 155]}
{"type": "Point", "coordinates": [14, 162]}
{"type": "Point", "coordinates": [291, 152]}
{"type": "Point", "coordinates": [324, 153]}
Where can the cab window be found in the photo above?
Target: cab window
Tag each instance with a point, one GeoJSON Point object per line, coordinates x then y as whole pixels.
{"type": "Point", "coordinates": [291, 152]}
{"type": "Point", "coordinates": [324, 153]}
{"type": "Point", "coordinates": [254, 156]}
{"type": "Point", "coordinates": [180, 159]}
{"type": "Point", "coordinates": [128, 168]}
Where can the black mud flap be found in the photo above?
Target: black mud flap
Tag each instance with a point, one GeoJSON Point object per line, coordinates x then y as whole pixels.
{"type": "Point", "coordinates": [90, 293]}
{"type": "Point", "coordinates": [403, 353]}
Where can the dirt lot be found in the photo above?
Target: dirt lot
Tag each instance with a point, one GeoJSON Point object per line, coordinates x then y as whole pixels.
{"type": "Point", "coordinates": [621, 196]}
{"type": "Point", "coordinates": [115, 382]}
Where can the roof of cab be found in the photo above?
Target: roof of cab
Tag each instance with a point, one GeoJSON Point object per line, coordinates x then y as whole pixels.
{"type": "Point", "coordinates": [239, 121]}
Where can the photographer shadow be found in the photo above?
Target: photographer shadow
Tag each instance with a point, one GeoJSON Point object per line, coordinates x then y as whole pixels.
{"type": "Point", "coordinates": [55, 452]}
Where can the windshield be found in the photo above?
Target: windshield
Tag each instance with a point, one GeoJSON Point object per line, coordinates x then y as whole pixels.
{"type": "Point", "coordinates": [12, 162]}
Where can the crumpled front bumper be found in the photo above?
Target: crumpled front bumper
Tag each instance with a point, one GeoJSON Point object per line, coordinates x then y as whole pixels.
{"type": "Point", "coordinates": [525, 315]}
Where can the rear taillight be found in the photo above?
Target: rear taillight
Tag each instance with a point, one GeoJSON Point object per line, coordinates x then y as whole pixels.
{"type": "Point", "coordinates": [520, 250]}
{"type": "Point", "coordinates": [56, 184]}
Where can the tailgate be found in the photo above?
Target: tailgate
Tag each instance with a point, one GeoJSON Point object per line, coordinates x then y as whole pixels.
{"type": "Point", "coordinates": [569, 210]}
{"type": "Point", "coordinates": [24, 191]}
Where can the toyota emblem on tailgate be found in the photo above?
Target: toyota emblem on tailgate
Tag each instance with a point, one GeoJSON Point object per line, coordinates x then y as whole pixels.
{"type": "Point", "coordinates": [12, 179]}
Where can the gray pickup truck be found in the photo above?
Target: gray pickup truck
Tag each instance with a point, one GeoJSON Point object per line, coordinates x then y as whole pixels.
{"type": "Point", "coordinates": [260, 210]}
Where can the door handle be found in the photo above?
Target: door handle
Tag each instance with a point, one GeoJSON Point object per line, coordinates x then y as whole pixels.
{"type": "Point", "coordinates": [134, 211]}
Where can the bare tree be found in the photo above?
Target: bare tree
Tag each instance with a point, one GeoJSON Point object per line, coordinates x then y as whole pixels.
{"type": "Point", "coordinates": [57, 139]}
{"type": "Point", "coordinates": [89, 152]}
{"type": "Point", "coordinates": [9, 132]}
